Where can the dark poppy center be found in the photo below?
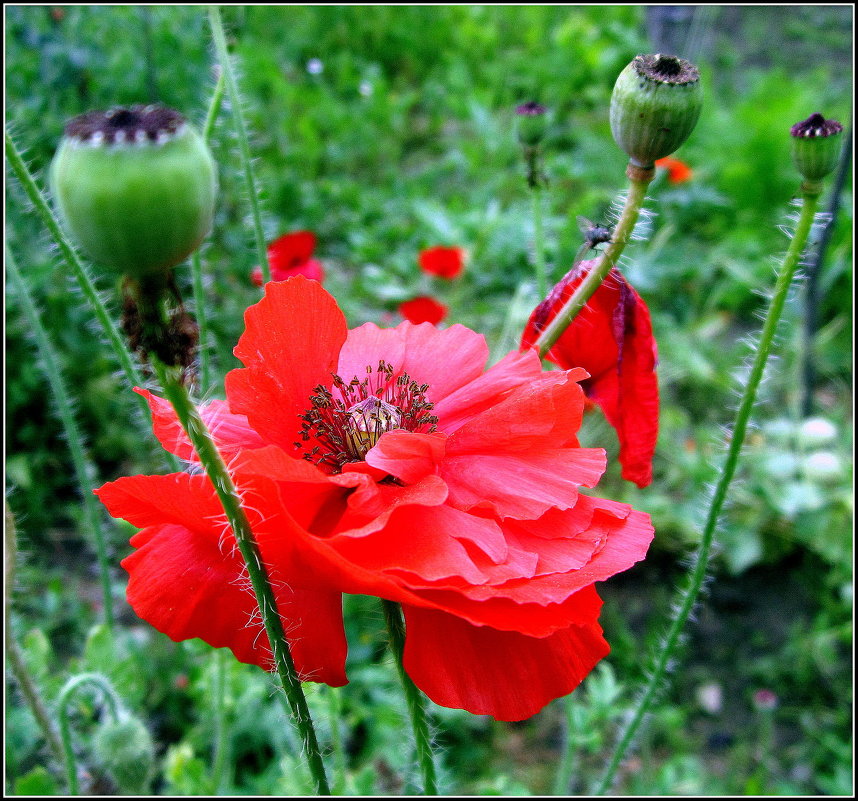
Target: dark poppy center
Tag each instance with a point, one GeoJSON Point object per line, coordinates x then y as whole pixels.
{"type": "Point", "coordinates": [346, 420]}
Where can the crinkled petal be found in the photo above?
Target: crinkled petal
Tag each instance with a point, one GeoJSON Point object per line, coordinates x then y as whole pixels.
{"type": "Point", "coordinates": [291, 343]}
{"type": "Point", "coordinates": [500, 673]}
{"type": "Point", "coordinates": [445, 360]}
{"type": "Point", "coordinates": [187, 578]}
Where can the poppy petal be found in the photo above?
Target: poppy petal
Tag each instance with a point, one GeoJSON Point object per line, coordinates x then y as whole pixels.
{"type": "Point", "coordinates": [500, 673]}
{"type": "Point", "coordinates": [290, 345]}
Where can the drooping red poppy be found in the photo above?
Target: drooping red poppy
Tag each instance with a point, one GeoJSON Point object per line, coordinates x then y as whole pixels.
{"type": "Point", "coordinates": [678, 172]}
{"type": "Point", "coordinates": [612, 339]}
{"type": "Point", "coordinates": [387, 462]}
{"type": "Point", "coordinates": [291, 255]}
{"type": "Point", "coordinates": [442, 261]}
{"type": "Point", "coordinates": [423, 309]}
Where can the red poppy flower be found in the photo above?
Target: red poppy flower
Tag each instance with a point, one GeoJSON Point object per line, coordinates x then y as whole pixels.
{"type": "Point", "coordinates": [386, 462]}
{"type": "Point", "coordinates": [423, 309]}
{"type": "Point", "coordinates": [443, 262]}
{"type": "Point", "coordinates": [611, 338]}
{"type": "Point", "coordinates": [678, 172]}
{"type": "Point", "coordinates": [291, 255]}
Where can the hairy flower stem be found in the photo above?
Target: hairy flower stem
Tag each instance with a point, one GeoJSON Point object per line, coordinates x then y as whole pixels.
{"type": "Point", "coordinates": [563, 778]}
{"type": "Point", "coordinates": [539, 243]}
{"type": "Point", "coordinates": [810, 197]}
{"type": "Point", "coordinates": [241, 131]}
{"type": "Point", "coordinates": [71, 687]}
{"type": "Point", "coordinates": [132, 375]}
{"type": "Point", "coordinates": [413, 698]}
{"type": "Point", "coordinates": [219, 715]}
{"type": "Point", "coordinates": [639, 180]}
{"type": "Point", "coordinates": [195, 428]}
{"type": "Point", "coordinates": [336, 740]}
{"type": "Point", "coordinates": [16, 661]}
{"type": "Point", "coordinates": [196, 260]}
{"type": "Point", "coordinates": [83, 467]}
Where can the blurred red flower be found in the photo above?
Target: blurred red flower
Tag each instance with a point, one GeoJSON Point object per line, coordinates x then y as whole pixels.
{"type": "Point", "coordinates": [441, 261]}
{"type": "Point", "coordinates": [386, 462]}
{"type": "Point", "coordinates": [678, 172]}
{"type": "Point", "coordinates": [423, 309]}
{"type": "Point", "coordinates": [612, 339]}
{"type": "Point", "coordinates": [291, 255]}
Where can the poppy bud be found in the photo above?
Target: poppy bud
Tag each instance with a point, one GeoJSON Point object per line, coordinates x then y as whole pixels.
{"type": "Point", "coordinates": [135, 187]}
{"type": "Point", "coordinates": [532, 122]}
{"type": "Point", "coordinates": [125, 749]}
{"type": "Point", "coordinates": [816, 146]}
{"type": "Point", "coordinates": [655, 105]}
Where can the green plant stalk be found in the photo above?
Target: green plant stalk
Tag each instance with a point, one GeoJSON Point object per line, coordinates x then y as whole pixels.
{"type": "Point", "coordinates": [69, 689]}
{"type": "Point", "coordinates": [563, 778]}
{"type": "Point", "coordinates": [132, 375]}
{"type": "Point", "coordinates": [336, 740]}
{"type": "Point", "coordinates": [539, 242]}
{"type": "Point", "coordinates": [241, 131]}
{"type": "Point", "coordinates": [219, 690]}
{"type": "Point", "coordinates": [610, 256]}
{"type": "Point", "coordinates": [689, 594]}
{"type": "Point", "coordinates": [196, 260]}
{"type": "Point", "coordinates": [413, 698]}
{"type": "Point", "coordinates": [83, 468]}
{"type": "Point", "coordinates": [210, 458]}
{"type": "Point", "coordinates": [29, 688]}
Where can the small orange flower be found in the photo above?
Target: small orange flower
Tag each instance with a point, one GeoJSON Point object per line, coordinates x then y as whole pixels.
{"type": "Point", "coordinates": [678, 172]}
{"type": "Point", "coordinates": [443, 262]}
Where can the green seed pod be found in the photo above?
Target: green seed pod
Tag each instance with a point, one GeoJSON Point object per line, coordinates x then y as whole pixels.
{"type": "Point", "coordinates": [655, 105]}
{"type": "Point", "coordinates": [125, 750]}
{"type": "Point", "coordinates": [816, 144]}
{"type": "Point", "coordinates": [532, 122]}
{"type": "Point", "coordinates": [135, 187]}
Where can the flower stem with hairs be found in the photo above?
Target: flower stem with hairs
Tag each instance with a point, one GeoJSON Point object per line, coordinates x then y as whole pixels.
{"type": "Point", "coordinates": [210, 458]}
{"type": "Point", "coordinates": [413, 698]}
{"type": "Point", "coordinates": [688, 595]}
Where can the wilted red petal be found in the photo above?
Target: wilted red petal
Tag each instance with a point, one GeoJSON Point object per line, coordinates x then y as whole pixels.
{"type": "Point", "coordinates": [612, 339]}
{"type": "Point", "coordinates": [187, 578]}
{"type": "Point", "coordinates": [423, 309]}
{"type": "Point", "coordinates": [442, 261]}
{"type": "Point", "coordinates": [500, 673]}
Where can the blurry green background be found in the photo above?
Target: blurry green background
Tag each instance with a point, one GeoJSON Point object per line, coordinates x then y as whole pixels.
{"type": "Point", "coordinates": [386, 130]}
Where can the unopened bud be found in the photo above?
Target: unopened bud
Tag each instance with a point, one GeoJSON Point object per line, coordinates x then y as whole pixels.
{"type": "Point", "coordinates": [135, 187]}
{"type": "Point", "coordinates": [816, 144]}
{"type": "Point", "coordinates": [532, 123]}
{"type": "Point", "coordinates": [655, 105]}
{"type": "Point", "coordinates": [125, 749]}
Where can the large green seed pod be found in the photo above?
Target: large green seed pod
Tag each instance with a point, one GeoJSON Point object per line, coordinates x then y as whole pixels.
{"type": "Point", "coordinates": [135, 187]}
{"type": "Point", "coordinates": [655, 105]}
{"type": "Point", "coordinates": [816, 144]}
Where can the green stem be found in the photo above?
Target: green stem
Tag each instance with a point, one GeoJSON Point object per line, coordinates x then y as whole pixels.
{"type": "Point", "coordinates": [219, 692]}
{"type": "Point", "coordinates": [70, 688]}
{"type": "Point", "coordinates": [29, 688]}
{"type": "Point", "coordinates": [196, 260]}
{"type": "Point", "coordinates": [38, 200]}
{"type": "Point", "coordinates": [564, 772]}
{"type": "Point", "coordinates": [336, 740]}
{"type": "Point", "coordinates": [689, 594]}
{"type": "Point", "coordinates": [610, 256]}
{"type": "Point", "coordinates": [210, 458]}
{"type": "Point", "coordinates": [83, 468]}
{"type": "Point", "coordinates": [413, 698]}
{"type": "Point", "coordinates": [241, 132]}
{"type": "Point", "coordinates": [539, 243]}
